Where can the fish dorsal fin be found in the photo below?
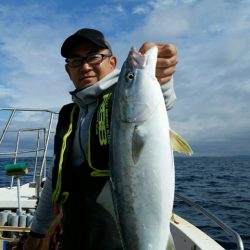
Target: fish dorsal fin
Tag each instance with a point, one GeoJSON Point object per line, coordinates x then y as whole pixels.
{"type": "Point", "coordinates": [179, 144]}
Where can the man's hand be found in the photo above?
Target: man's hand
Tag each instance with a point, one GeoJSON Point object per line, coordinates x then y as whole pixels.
{"type": "Point", "coordinates": [32, 243]}
{"type": "Point", "coordinates": [166, 60]}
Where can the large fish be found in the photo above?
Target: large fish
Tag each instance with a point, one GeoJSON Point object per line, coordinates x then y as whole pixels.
{"type": "Point", "coordinates": [141, 156]}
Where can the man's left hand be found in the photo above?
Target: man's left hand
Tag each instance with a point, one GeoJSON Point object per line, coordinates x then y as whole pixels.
{"type": "Point", "coordinates": [166, 60]}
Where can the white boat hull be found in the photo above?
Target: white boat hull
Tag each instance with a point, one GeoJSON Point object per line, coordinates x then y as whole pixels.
{"type": "Point", "coordinates": [186, 236]}
{"type": "Point", "coordinates": [8, 197]}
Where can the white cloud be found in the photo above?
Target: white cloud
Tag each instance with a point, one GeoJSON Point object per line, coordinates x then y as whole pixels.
{"type": "Point", "coordinates": [119, 8]}
{"type": "Point", "coordinates": [140, 10]}
{"type": "Point", "coordinates": [34, 65]}
{"type": "Point", "coordinates": [212, 79]}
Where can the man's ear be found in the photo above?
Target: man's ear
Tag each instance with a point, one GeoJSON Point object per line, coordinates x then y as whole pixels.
{"type": "Point", "coordinates": [113, 61]}
{"type": "Point", "coordinates": [67, 70]}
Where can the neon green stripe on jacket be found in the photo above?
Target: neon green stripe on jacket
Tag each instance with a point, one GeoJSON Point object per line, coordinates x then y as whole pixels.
{"type": "Point", "coordinates": [102, 134]}
{"type": "Point", "coordinates": [57, 191]}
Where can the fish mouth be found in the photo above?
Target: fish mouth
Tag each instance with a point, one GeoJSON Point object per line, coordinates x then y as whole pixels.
{"type": "Point", "coordinates": [136, 59]}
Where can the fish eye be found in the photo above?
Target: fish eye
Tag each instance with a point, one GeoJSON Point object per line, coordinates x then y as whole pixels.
{"type": "Point", "coordinates": [130, 76]}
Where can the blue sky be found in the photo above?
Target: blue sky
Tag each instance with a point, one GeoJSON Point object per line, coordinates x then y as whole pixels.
{"type": "Point", "coordinates": [212, 81]}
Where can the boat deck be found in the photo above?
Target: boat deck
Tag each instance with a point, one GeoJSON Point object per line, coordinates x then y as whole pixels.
{"type": "Point", "coordinates": [9, 199]}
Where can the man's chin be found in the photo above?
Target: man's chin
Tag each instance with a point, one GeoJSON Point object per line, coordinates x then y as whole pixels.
{"type": "Point", "coordinates": [87, 83]}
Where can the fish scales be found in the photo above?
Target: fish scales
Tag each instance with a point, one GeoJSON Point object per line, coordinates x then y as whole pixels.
{"type": "Point", "coordinates": [141, 156]}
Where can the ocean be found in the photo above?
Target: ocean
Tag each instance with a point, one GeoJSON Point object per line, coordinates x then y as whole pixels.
{"type": "Point", "coordinates": [219, 184]}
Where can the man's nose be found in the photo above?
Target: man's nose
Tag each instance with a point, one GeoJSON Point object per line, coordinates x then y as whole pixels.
{"type": "Point", "coordinates": [85, 66]}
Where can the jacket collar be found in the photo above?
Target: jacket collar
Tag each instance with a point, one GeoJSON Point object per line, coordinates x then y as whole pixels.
{"type": "Point", "coordinates": [90, 94]}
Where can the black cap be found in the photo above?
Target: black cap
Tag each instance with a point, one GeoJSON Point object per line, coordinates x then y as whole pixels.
{"type": "Point", "coordinates": [84, 35]}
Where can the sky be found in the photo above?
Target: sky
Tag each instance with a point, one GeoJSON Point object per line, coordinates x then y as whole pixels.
{"type": "Point", "coordinates": [212, 80]}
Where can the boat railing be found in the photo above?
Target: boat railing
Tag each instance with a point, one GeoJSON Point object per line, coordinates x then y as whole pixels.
{"type": "Point", "coordinates": [40, 134]}
{"type": "Point", "coordinates": [228, 230]}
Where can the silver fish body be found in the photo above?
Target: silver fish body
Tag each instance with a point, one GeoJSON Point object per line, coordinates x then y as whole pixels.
{"type": "Point", "coordinates": [141, 156]}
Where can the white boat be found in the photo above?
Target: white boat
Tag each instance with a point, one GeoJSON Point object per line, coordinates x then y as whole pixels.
{"type": "Point", "coordinates": [18, 199]}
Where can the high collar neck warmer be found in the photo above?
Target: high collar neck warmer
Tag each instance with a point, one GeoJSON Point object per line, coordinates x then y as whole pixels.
{"type": "Point", "coordinates": [90, 94]}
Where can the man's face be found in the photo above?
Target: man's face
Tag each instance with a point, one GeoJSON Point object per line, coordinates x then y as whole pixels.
{"type": "Point", "coordinates": [87, 74]}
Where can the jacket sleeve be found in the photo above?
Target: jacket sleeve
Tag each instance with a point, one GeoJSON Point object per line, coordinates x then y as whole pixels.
{"type": "Point", "coordinates": [169, 93]}
{"type": "Point", "coordinates": [44, 214]}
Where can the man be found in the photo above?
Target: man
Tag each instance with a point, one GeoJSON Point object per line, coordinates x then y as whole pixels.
{"type": "Point", "coordinates": [81, 161]}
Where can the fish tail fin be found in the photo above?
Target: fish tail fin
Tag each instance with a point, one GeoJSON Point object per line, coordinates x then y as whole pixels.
{"type": "Point", "coordinates": [179, 144]}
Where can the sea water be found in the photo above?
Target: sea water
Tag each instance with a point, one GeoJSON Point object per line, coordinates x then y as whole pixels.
{"type": "Point", "coordinates": [219, 184]}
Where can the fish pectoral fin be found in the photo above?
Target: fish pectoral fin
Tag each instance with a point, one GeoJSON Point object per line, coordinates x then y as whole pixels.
{"type": "Point", "coordinates": [138, 141]}
{"type": "Point", "coordinates": [179, 144]}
